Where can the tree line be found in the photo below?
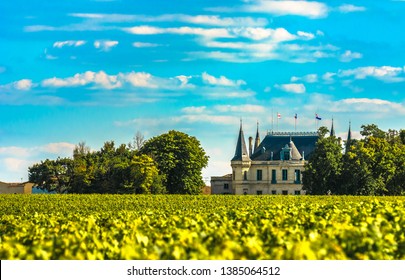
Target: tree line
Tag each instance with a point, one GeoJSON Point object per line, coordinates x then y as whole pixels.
{"type": "Point", "coordinates": [169, 163]}
{"type": "Point", "coordinates": [373, 165]}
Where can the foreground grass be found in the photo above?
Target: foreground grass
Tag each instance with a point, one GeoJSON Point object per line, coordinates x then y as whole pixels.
{"type": "Point", "coordinates": [201, 227]}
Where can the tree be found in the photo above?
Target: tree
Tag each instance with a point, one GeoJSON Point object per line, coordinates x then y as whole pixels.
{"type": "Point", "coordinates": [52, 175]}
{"type": "Point", "coordinates": [110, 170]}
{"type": "Point", "coordinates": [322, 131]}
{"type": "Point", "coordinates": [372, 130]}
{"type": "Point", "coordinates": [402, 136]}
{"type": "Point", "coordinates": [368, 167]}
{"type": "Point", "coordinates": [180, 159]}
{"type": "Point", "coordinates": [137, 142]}
{"type": "Point", "coordinates": [321, 174]}
{"type": "Point", "coordinates": [117, 170]}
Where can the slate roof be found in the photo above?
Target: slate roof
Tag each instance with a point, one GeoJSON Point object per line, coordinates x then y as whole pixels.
{"type": "Point", "coordinates": [275, 143]}
{"type": "Point", "coordinates": [241, 150]}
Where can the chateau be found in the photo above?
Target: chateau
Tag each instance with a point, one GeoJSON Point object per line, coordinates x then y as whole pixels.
{"type": "Point", "coordinates": [271, 166]}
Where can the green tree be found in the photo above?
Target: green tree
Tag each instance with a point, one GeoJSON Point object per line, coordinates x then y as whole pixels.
{"type": "Point", "coordinates": [52, 175]}
{"type": "Point", "coordinates": [402, 136]}
{"type": "Point", "coordinates": [372, 130]}
{"type": "Point", "coordinates": [180, 159]}
{"type": "Point", "coordinates": [374, 166]}
{"type": "Point", "coordinates": [322, 131]}
{"type": "Point", "coordinates": [110, 170]}
{"type": "Point", "coordinates": [321, 174]}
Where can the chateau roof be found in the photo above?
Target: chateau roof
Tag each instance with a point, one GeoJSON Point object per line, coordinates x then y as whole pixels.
{"type": "Point", "coordinates": [241, 150]}
{"type": "Point", "coordinates": [303, 144]}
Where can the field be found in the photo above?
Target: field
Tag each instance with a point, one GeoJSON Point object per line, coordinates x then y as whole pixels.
{"type": "Point", "coordinates": [201, 227]}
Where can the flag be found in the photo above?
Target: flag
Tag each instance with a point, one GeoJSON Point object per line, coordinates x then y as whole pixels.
{"type": "Point", "coordinates": [278, 116]}
{"type": "Point", "coordinates": [295, 117]}
{"type": "Point", "coordinates": [317, 117]}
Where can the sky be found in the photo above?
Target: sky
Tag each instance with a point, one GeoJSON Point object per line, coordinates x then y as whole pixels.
{"type": "Point", "coordinates": [101, 70]}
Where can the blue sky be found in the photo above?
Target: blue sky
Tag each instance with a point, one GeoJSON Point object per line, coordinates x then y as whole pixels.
{"type": "Point", "coordinates": [101, 70]}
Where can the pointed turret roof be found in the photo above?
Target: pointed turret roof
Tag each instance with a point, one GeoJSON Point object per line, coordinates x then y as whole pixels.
{"type": "Point", "coordinates": [349, 137]}
{"type": "Point", "coordinates": [257, 139]}
{"type": "Point", "coordinates": [295, 154]}
{"type": "Point", "coordinates": [332, 130]}
{"type": "Point", "coordinates": [241, 150]}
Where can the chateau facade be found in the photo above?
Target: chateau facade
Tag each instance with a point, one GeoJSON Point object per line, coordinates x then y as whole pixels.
{"type": "Point", "coordinates": [272, 166]}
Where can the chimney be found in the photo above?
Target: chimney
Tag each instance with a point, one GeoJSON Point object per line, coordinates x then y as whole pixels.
{"type": "Point", "coordinates": [250, 145]}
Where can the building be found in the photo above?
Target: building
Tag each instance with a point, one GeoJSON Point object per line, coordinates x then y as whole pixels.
{"type": "Point", "coordinates": [271, 166]}
{"type": "Point", "coordinates": [16, 188]}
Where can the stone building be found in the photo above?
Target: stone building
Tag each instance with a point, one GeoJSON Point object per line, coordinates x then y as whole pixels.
{"type": "Point", "coordinates": [271, 166]}
{"type": "Point", "coordinates": [14, 188]}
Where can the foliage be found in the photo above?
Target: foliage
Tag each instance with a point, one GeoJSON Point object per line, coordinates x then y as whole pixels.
{"type": "Point", "coordinates": [110, 170]}
{"type": "Point", "coordinates": [52, 175]}
{"type": "Point", "coordinates": [180, 159]}
{"type": "Point", "coordinates": [117, 227]}
{"type": "Point", "coordinates": [321, 174]}
{"type": "Point", "coordinates": [374, 165]}
{"type": "Point", "coordinates": [372, 130]}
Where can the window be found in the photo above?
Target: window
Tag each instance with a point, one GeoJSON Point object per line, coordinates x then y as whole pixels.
{"type": "Point", "coordinates": [273, 192]}
{"type": "Point", "coordinates": [286, 155]}
{"type": "Point", "coordinates": [245, 191]}
{"type": "Point", "coordinates": [226, 186]}
{"type": "Point", "coordinates": [285, 174]}
{"type": "Point", "coordinates": [245, 175]}
{"type": "Point", "coordinates": [297, 176]}
{"type": "Point", "coordinates": [259, 175]}
{"type": "Point", "coordinates": [297, 192]}
{"type": "Point", "coordinates": [259, 192]}
{"type": "Point", "coordinates": [285, 192]}
{"type": "Point", "coordinates": [273, 177]}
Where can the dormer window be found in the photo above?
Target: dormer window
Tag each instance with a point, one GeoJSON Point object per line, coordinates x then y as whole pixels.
{"type": "Point", "coordinates": [285, 153]}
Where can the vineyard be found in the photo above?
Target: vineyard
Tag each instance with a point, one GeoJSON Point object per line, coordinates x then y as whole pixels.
{"type": "Point", "coordinates": [201, 227]}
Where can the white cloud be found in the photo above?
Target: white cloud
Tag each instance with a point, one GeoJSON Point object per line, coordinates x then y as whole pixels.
{"type": "Point", "coordinates": [310, 78]}
{"type": "Point", "coordinates": [16, 164]}
{"type": "Point", "coordinates": [139, 79]}
{"type": "Point", "coordinates": [144, 45]}
{"type": "Point", "coordinates": [105, 45]}
{"type": "Point", "coordinates": [185, 30]}
{"type": "Point", "coordinates": [194, 110]}
{"type": "Point", "coordinates": [103, 80]}
{"type": "Point", "coordinates": [294, 88]}
{"type": "Point", "coordinates": [368, 105]}
{"type": "Point", "coordinates": [224, 93]}
{"type": "Point", "coordinates": [69, 43]}
{"type": "Point", "coordinates": [328, 77]}
{"type": "Point", "coordinates": [82, 79]}
{"type": "Point", "coordinates": [305, 35]}
{"type": "Point", "coordinates": [221, 81]}
{"type": "Point", "coordinates": [310, 9]}
{"type": "Point", "coordinates": [247, 108]}
{"type": "Point", "coordinates": [349, 8]}
{"type": "Point", "coordinates": [384, 73]}
{"type": "Point", "coordinates": [220, 21]}
{"type": "Point", "coordinates": [373, 108]}
{"type": "Point", "coordinates": [24, 84]}
{"type": "Point", "coordinates": [213, 20]}
{"type": "Point", "coordinates": [184, 80]}
{"type": "Point", "coordinates": [348, 56]}
{"type": "Point", "coordinates": [60, 148]}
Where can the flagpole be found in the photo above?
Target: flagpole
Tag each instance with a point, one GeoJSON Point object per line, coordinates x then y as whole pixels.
{"type": "Point", "coordinates": [277, 121]}
{"type": "Point", "coordinates": [295, 122]}
{"type": "Point", "coordinates": [272, 120]}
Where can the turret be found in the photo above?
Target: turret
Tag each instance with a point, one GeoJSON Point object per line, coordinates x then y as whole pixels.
{"type": "Point", "coordinates": [241, 150]}
{"type": "Point", "coordinates": [349, 138]}
{"type": "Point", "coordinates": [332, 130]}
{"type": "Point", "coordinates": [257, 139]}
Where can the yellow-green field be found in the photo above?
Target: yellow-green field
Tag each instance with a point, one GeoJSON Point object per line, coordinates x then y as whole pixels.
{"type": "Point", "coordinates": [201, 227]}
